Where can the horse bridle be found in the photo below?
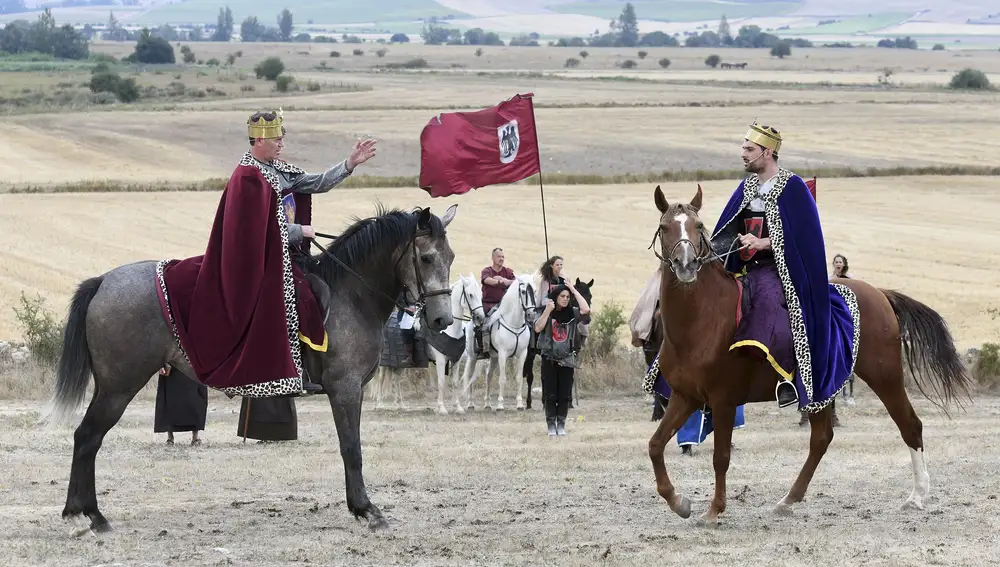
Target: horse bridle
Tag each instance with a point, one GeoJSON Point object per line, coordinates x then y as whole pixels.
{"type": "Point", "coordinates": [422, 293]}
{"type": "Point", "coordinates": [700, 260]}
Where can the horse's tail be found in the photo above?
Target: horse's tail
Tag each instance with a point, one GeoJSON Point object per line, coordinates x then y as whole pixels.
{"type": "Point", "coordinates": [74, 361]}
{"type": "Point", "coordinates": [926, 340]}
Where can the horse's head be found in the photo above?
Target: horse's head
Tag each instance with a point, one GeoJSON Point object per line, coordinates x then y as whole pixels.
{"type": "Point", "coordinates": [684, 243]}
{"type": "Point", "coordinates": [468, 296]}
{"type": "Point", "coordinates": [584, 289]}
{"type": "Point", "coordinates": [520, 299]}
{"type": "Point", "coordinates": [429, 269]}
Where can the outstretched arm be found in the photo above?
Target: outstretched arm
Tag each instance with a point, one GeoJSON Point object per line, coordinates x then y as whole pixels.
{"type": "Point", "coordinates": [323, 182]}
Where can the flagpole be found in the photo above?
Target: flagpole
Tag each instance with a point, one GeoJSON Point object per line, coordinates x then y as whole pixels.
{"type": "Point", "coordinates": [541, 186]}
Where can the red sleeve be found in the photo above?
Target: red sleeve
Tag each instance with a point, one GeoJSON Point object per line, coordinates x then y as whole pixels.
{"type": "Point", "coordinates": [486, 273]}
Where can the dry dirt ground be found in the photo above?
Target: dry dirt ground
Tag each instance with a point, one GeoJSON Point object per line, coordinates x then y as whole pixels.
{"type": "Point", "coordinates": [493, 489]}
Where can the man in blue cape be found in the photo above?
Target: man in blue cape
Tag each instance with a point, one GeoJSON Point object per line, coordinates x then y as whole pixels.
{"type": "Point", "coordinates": [803, 325]}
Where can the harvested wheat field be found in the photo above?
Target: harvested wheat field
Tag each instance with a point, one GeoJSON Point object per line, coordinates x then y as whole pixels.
{"type": "Point", "coordinates": [493, 489]}
{"type": "Point", "coordinates": [906, 233]}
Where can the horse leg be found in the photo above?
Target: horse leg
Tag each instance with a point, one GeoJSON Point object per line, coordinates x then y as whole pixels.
{"type": "Point", "coordinates": [658, 408]}
{"type": "Point", "coordinates": [897, 403]}
{"type": "Point", "coordinates": [520, 358]}
{"type": "Point", "coordinates": [723, 419]}
{"type": "Point", "coordinates": [345, 401]}
{"type": "Point", "coordinates": [821, 434]}
{"type": "Point", "coordinates": [456, 373]}
{"type": "Point", "coordinates": [502, 358]}
{"type": "Point", "coordinates": [439, 364]}
{"type": "Point", "coordinates": [678, 411]}
{"type": "Point", "coordinates": [104, 412]}
{"type": "Point", "coordinates": [379, 382]}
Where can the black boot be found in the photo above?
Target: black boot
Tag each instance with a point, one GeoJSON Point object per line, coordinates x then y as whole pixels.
{"type": "Point", "coordinates": [310, 388]}
{"type": "Point", "coordinates": [551, 422]}
{"type": "Point", "coordinates": [561, 426]}
{"type": "Point", "coordinates": [786, 393]}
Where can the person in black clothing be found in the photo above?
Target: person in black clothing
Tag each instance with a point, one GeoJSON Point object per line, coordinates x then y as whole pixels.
{"type": "Point", "coordinates": [551, 275]}
{"type": "Point", "coordinates": [181, 405]}
{"type": "Point", "coordinates": [557, 332]}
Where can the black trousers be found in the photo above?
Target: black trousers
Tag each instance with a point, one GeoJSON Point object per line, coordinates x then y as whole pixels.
{"type": "Point", "coordinates": [557, 388]}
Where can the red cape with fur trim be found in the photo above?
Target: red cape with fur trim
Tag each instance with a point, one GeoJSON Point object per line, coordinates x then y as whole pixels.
{"type": "Point", "coordinates": [233, 309]}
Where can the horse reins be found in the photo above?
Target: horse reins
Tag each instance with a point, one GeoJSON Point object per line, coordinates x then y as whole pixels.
{"type": "Point", "coordinates": [422, 293]}
{"type": "Point", "coordinates": [710, 256]}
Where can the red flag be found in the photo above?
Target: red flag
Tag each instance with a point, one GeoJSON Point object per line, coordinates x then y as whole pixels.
{"type": "Point", "coordinates": [811, 184]}
{"type": "Point", "coordinates": [460, 151]}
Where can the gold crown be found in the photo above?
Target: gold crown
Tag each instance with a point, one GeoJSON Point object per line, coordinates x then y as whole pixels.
{"type": "Point", "coordinates": [264, 128]}
{"type": "Point", "coordinates": [765, 136]}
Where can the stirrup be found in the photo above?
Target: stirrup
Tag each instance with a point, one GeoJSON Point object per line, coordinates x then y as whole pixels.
{"type": "Point", "coordinates": [788, 398]}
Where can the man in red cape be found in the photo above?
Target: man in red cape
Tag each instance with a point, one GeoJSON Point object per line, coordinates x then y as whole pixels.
{"type": "Point", "coordinates": [241, 311]}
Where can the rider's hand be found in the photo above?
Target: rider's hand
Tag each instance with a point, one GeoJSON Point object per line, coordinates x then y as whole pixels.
{"type": "Point", "coordinates": [549, 305]}
{"type": "Point", "coordinates": [360, 153]}
{"type": "Point", "coordinates": [754, 243]}
{"type": "Point", "coordinates": [308, 232]}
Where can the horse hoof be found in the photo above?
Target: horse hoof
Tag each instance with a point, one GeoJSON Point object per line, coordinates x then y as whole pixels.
{"type": "Point", "coordinates": [378, 525]}
{"type": "Point", "coordinates": [708, 521]}
{"type": "Point", "coordinates": [442, 411]}
{"type": "Point", "coordinates": [783, 509]}
{"type": "Point", "coordinates": [101, 528]}
{"type": "Point", "coordinates": [684, 510]}
{"type": "Point", "coordinates": [913, 503]}
{"type": "Point", "coordinates": [79, 526]}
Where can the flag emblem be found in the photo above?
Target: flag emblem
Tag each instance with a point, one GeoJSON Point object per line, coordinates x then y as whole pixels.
{"type": "Point", "coordinates": [509, 141]}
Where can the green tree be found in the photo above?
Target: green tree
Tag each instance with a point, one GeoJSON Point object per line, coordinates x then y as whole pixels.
{"type": "Point", "coordinates": [285, 25]}
{"type": "Point", "coordinates": [152, 50]}
{"type": "Point", "coordinates": [781, 50]}
{"type": "Point", "coordinates": [724, 34]}
{"type": "Point", "coordinates": [223, 25]}
{"type": "Point", "coordinates": [627, 27]}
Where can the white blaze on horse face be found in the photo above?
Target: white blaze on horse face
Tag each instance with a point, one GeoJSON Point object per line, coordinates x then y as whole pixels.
{"type": "Point", "coordinates": [686, 247]}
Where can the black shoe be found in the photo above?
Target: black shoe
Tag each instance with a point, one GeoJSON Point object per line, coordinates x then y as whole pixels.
{"type": "Point", "coordinates": [786, 394]}
{"type": "Point", "coordinates": [561, 426]}
{"type": "Point", "coordinates": [311, 388]}
{"type": "Point", "coordinates": [551, 422]}
{"type": "Point", "coordinates": [686, 450]}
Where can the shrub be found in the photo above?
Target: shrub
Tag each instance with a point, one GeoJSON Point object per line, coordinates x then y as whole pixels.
{"type": "Point", "coordinates": [479, 52]}
{"type": "Point", "coordinates": [971, 79]}
{"type": "Point", "coordinates": [334, 54]}
{"type": "Point", "coordinates": [359, 52]}
{"type": "Point", "coordinates": [781, 50]}
{"type": "Point", "coordinates": [629, 64]}
{"type": "Point", "coordinates": [986, 370]}
{"type": "Point", "coordinates": [584, 54]}
{"type": "Point", "coordinates": [713, 61]}
{"type": "Point", "coordinates": [664, 62]}
{"type": "Point", "coordinates": [42, 334]}
{"type": "Point", "coordinates": [189, 56]}
{"type": "Point", "coordinates": [213, 62]}
{"type": "Point", "coordinates": [938, 47]}
{"type": "Point", "coordinates": [230, 59]}
{"type": "Point", "coordinates": [269, 68]}
{"type": "Point", "coordinates": [604, 326]}
{"type": "Point", "coordinates": [125, 89]}
{"type": "Point", "coordinates": [572, 62]}
{"type": "Point", "coordinates": [283, 83]}
{"type": "Point", "coordinates": [643, 54]}
{"type": "Point", "coordinates": [381, 52]}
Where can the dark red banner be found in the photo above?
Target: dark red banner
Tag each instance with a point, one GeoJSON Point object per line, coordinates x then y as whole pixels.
{"type": "Point", "coordinates": [460, 151]}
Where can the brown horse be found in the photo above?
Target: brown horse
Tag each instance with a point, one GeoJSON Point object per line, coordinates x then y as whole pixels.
{"type": "Point", "coordinates": [696, 361]}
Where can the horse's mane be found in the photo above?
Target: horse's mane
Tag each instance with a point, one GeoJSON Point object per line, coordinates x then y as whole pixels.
{"type": "Point", "coordinates": [371, 236]}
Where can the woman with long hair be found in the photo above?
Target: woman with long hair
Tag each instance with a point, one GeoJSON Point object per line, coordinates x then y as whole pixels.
{"type": "Point", "coordinates": [549, 274]}
{"type": "Point", "coordinates": [557, 332]}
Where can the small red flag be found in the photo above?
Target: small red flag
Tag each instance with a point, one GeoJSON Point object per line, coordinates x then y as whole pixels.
{"type": "Point", "coordinates": [811, 184]}
{"type": "Point", "coordinates": [460, 151]}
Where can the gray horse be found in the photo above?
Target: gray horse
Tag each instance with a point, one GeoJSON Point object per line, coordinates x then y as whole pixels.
{"type": "Point", "coordinates": [116, 330]}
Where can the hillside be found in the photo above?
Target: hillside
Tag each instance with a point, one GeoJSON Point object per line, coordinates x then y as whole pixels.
{"type": "Point", "coordinates": [825, 19]}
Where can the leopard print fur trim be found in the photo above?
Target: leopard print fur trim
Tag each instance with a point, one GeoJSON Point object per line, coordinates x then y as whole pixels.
{"type": "Point", "coordinates": [170, 315]}
{"type": "Point", "coordinates": [855, 309]}
{"type": "Point", "coordinates": [650, 378]}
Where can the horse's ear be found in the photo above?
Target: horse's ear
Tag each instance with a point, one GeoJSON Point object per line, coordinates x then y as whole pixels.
{"type": "Point", "coordinates": [696, 202]}
{"type": "Point", "coordinates": [449, 215]}
{"type": "Point", "coordinates": [661, 201]}
{"type": "Point", "coordinates": [591, 283]}
{"type": "Point", "coordinates": [425, 218]}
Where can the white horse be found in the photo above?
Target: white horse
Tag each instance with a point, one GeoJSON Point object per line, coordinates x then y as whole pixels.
{"type": "Point", "coordinates": [467, 311]}
{"type": "Point", "coordinates": [508, 332]}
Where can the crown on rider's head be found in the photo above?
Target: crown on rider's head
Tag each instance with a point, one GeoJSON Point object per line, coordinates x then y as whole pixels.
{"type": "Point", "coordinates": [766, 136]}
{"type": "Point", "coordinates": [267, 124]}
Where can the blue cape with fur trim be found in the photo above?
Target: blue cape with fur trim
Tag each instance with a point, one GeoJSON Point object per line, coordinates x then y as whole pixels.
{"type": "Point", "coordinates": [824, 317]}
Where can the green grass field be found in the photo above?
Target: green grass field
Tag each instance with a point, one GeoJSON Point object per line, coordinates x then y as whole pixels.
{"type": "Point", "coordinates": [320, 11]}
{"type": "Point", "coordinates": [678, 11]}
